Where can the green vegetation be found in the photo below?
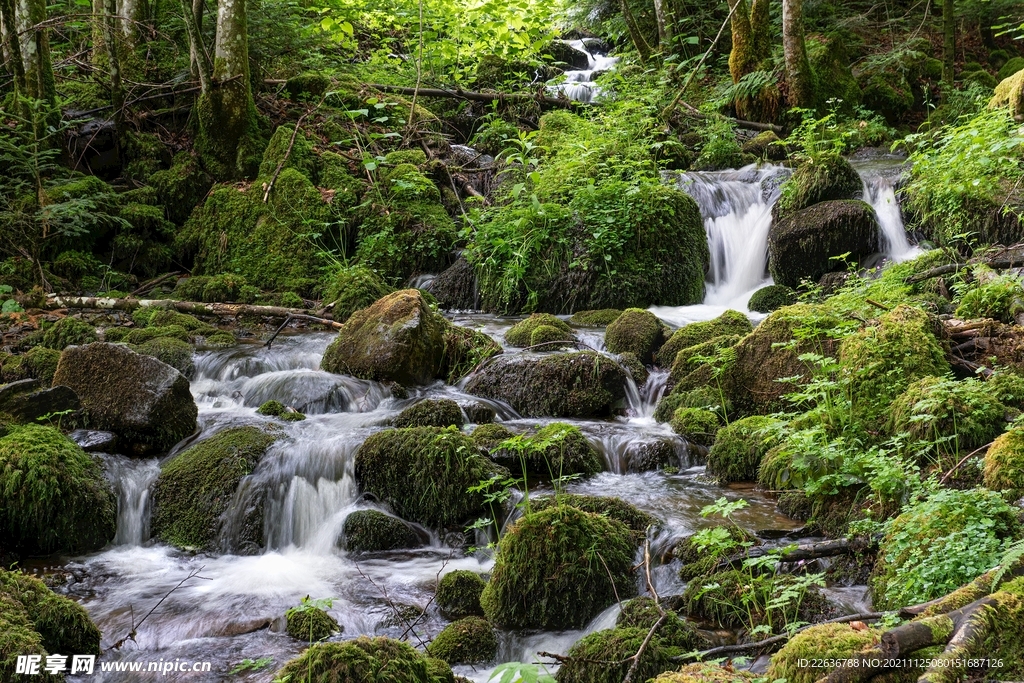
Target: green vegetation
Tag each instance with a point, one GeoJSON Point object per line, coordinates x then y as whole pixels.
{"type": "Point", "coordinates": [825, 641]}
{"type": "Point", "coordinates": [521, 334]}
{"type": "Point", "coordinates": [311, 624]}
{"type": "Point", "coordinates": [440, 412]}
{"type": "Point", "coordinates": [635, 331]}
{"type": "Point", "coordinates": [458, 594]}
{"type": "Point", "coordinates": [603, 657]}
{"type": "Point", "coordinates": [739, 447]}
{"type": "Point", "coordinates": [383, 660]}
{"type": "Point", "coordinates": [555, 451]}
{"type": "Point", "coordinates": [729, 323]}
{"type": "Point", "coordinates": [470, 640]}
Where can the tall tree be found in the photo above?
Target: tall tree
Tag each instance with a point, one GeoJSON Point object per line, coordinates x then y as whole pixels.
{"type": "Point", "coordinates": [11, 46]}
{"type": "Point", "coordinates": [799, 76]}
{"type": "Point", "coordinates": [948, 40]}
{"type": "Point", "coordinates": [665, 28]}
{"type": "Point", "coordinates": [30, 20]}
{"type": "Point", "coordinates": [751, 41]}
{"type": "Point", "coordinates": [635, 34]}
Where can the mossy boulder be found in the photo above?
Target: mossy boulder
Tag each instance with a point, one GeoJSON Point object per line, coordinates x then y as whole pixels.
{"type": "Point", "coordinates": [730, 322]}
{"type": "Point", "coordinates": [1008, 92]}
{"type": "Point", "coordinates": [53, 496]}
{"type": "Point", "coordinates": [352, 288]}
{"type": "Point", "coordinates": [617, 509]}
{"type": "Point", "coordinates": [766, 145]}
{"type": "Point", "coordinates": [821, 642]}
{"type": "Point", "coordinates": [488, 436]}
{"type": "Point", "coordinates": [311, 624]}
{"type": "Point", "coordinates": [181, 187]}
{"type": "Point", "coordinates": [30, 401]}
{"type": "Point", "coordinates": [38, 363]}
{"type": "Point", "coordinates": [431, 412]}
{"type": "Point", "coordinates": [196, 486]}
{"type": "Point", "coordinates": [771, 298]}
{"type": "Point", "coordinates": [646, 456]}
{"type": "Point", "coordinates": [1004, 463]}
{"type": "Point", "coordinates": [549, 338]}
{"type": "Point", "coordinates": [826, 178]}
{"type": "Point", "coordinates": [635, 331]}
{"type": "Point", "coordinates": [698, 425]}
{"type": "Point", "coordinates": [698, 560]}
{"type": "Point", "coordinates": [458, 594]}
{"type": "Point", "coordinates": [173, 352]}
{"type": "Point", "coordinates": [1011, 67]}
{"type": "Point", "coordinates": [595, 318]}
{"type": "Point", "coordinates": [140, 336]}
{"type": "Point", "coordinates": [556, 450]}
{"type": "Point", "coordinates": [363, 660]}
{"type": "Point", "coordinates": [374, 531]}
{"type": "Point", "coordinates": [802, 244]}
{"type": "Point", "coordinates": [424, 474]}
{"type": "Point", "coordinates": [308, 85]}
{"type": "Point", "coordinates": [887, 91]}
{"type": "Point", "coordinates": [706, 673]}
{"type": "Point", "coordinates": [576, 385]}
{"type": "Point", "coordinates": [829, 59]}
{"type": "Point", "coordinates": [521, 334]}
{"type": "Point", "coordinates": [692, 357]}
{"type": "Point", "coordinates": [67, 332]}
{"type": "Point", "coordinates": [674, 631]}
{"type": "Point", "coordinates": [606, 657]}
{"type": "Point", "coordinates": [63, 626]}
{"type": "Point", "coordinates": [547, 574]}
{"type": "Point", "coordinates": [147, 403]}
{"type": "Point", "coordinates": [467, 641]}
{"type": "Point", "coordinates": [701, 397]}
{"type": "Point", "coordinates": [739, 448]}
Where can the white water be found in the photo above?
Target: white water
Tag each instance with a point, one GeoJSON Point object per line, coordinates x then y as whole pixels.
{"type": "Point", "coordinates": [579, 84]}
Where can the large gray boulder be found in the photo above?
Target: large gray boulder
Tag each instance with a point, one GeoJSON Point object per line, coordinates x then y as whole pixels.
{"type": "Point", "coordinates": [25, 401]}
{"type": "Point", "coordinates": [145, 402]}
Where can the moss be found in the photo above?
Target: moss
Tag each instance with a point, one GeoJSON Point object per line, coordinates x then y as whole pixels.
{"type": "Point", "coordinates": [311, 624]}
{"type": "Point", "coordinates": [63, 624]}
{"type": "Point", "coordinates": [293, 416]}
{"type": "Point", "coordinates": [770, 298]}
{"type": "Point", "coordinates": [547, 337]}
{"type": "Point", "coordinates": [887, 92]}
{"type": "Point", "coordinates": [196, 486]}
{"type": "Point", "coordinates": [272, 408]}
{"type": "Point", "coordinates": [464, 351]}
{"type": "Point", "coordinates": [826, 178]}
{"type": "Point", "coordinates": [431, 413]}
{"type": "Point", "coordinates": [616, 509]}
{"type": "Point", "coordinates": [674, 632]}
{"type": "Point", "coordinates": [489, 436]}
{"type": "Point", "coordinates": [706, 673]}
{"type": "Point", "coordinates": [765, 145]}
{"type": "Point", "coordinates": [141, 336]}
{"type": "Point", "coordinates": [174, 352]}
{"type": "Point", "coordinates": [605, 657]}
{"type": "Point", "coordinates": [495, 136]}
{"type": "Point", "coordinates": [981, 77]}
{"type": "Point", "coordinates": [735, 599]}
{"type": "Point", "coordinates": [998, 299]}
{"type": "Point", "coordinates": [636, 331]}
{"type": "Point", "coordinates": [702, 397]}
{"type": "Point", "coordinates": [1004, 463]}
{"type": "Point", "coordinates": [223, 287]}
{"type": "Point", "coordinates": [36, 363]}
{"type": "Point", "coordinates": [719, 154]}
{"type": "Point", "coordinates": [66, 332]}
{"type": "Point", "coordinates": [555, 451]}
{"type": "Point", "coordinates": [595, 318]}
{"type": "Point", "coordinates": [424, 474]}
{"type": "Point", "coordinates": [220, 340]}
{"type": "Point", "coordinates": [739, 448]}
{"type": "Point", "coordinates": [730, 322]}
{"type": "Point", "coordinates": [18, 638]}
{"type": "Point", "coordinates": [458, 594]}
{"type": "Point", "coordinates": [1011, 67]}
{"type": "Point", "coordinates": [373, 531]}
{"type": "Point", "coordinates": [554, 570]}
{"type": "Point", "coordinates": [698, 425]}
{"type": "Point", "coordinates": [821, 641]}
{"type": "Point", "coordinates": [693, 356]}
{"type": "Point", "coordinates": [521, 334]}
{"type": "Point", "coordinates": [363, 660]}
{"type": "Point", "coordinates": [636, 368]}
{"type": "Point", "coordinates": [181, 187]}
{"type": "Point", "coordinates": [882, 360]}
{"type": "Point", "coordinates": [830, 62]}
{"type": "Point", "coordinates": [352, 288]}
{"type": "Point", "coordinates": [467, 641]}
{"type": "Point", "coordinates": [308, 85]}
{"type": "Point", "coordinates": [300, 157]}
{"type": "Point", "coordinates": [440, 672]}
{"type": "Point", "coordinates": [189, 323]}
{"type": "Point", "coordinates": [698, 561]}
{"type": "Point", "coordinates": [54, 496]}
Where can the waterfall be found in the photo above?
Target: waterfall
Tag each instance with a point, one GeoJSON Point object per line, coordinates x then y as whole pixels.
{"type": "Point", "coordinates": [880, 173]}
{"type": "Point", "coordinates": [132, 478]}
{"type": "Point", "coordinates": [579, 85]}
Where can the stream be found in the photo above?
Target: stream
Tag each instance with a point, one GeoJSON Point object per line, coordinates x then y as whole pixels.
{"type": "Point", "coordinates": [233, 610]}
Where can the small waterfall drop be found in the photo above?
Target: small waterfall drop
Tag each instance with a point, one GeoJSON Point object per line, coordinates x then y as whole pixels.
{"type": "Point", "coordinates": [132, 479]}
{"type": "Point", "coordinates": [579, 85]}
{"type": "Point", "coordinates": [880, 173]}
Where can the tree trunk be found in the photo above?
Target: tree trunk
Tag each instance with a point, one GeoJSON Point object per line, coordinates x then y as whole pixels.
{"type": "Point", "coordinates": [948, 41]}
{"type": "Point", "coordinates": [228, 125]}
{"type": "Point", "coordinates": [110, 21]}
{"type": "Point", "coordinates": [741, 60]}
{"type": "Point", "coordinates": [131, 15]}
{"type": "Point", "coordinates": [798, 69]}
{"type": "Point", "coordinates": [642, 48]}
{"type": "Point", "coordinates": [99, 35]}
{"type": "Point", "coordinates": [35, 50]}
{"type": "Point", "coordinates": [760, 31]}
{"type": "Point", "coordinates": [664, 26]}
{"type": "Point", "coordinates": [11, 47]}
{"type": "Point", "coordinates": [192, 13]}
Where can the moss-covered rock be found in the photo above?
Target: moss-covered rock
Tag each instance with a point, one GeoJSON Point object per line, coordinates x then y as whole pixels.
{"type": "Point", "coordinates": [617, 509]}
{"type": "Point", "coordinates": [68, 331]}
{"type": "Point", "coordinates": [674, 632]}
{"type": "Point", "coordinates": [635, 331]}
{"type": "Point", "coordinates": [272, 409]}
{"type": "Point", "coordinates": [803, 243]}
{"type": "Point", "coordinates": [821, 642]}
{"type": "Point", "coordinates": [689, 359]}
{"type": "Point", "coordinates": [173, 352]}
{"type": "Point", "coordinates": [706, 673]}
{"type": "Point", "coordinates": [308, 85]}
{"type": "Point", "coordinates": [196, 486]}
{"type": "Point", "coordinates": [698, 425]}
{"type": "Point", "coordinates": [521, 334]}
{"type": "Point", "coordinates": [62, 624]}
{"type": "Point", "coordinates": [584, 384]}
{"type": "Point", "coordinates": [770, 298]}
{"type": "Point", "coordinates": [311, 624]}
{"type": "Point", "coordinates": [147, 403]}
{"type": "Point", "coordinates": [352, 288]}
{"type": "Point", "coordinates": [1011, 67]}
{"type": "Point", "coordinates": [141, 336]}
{"type": "Point", "coordinates": [555, 451]}
{"type": "Point", "coordinates": [595, 318]}
{"type": "Point", "coordinates": [830, 63]}
{"type": "Point", "coordinates": [547, 574]}
{"type": "Point", "coordinates": [734, 599]}
{"type": "Point", "coordinates": [467, 641]}
{"type": "Point", "coordinates": [605, 657]}
{"type": "Point", "coordinates": [458, 594]}
{"type": "Point", "coordinates": [1004, 463]}
{"type": "Point", "coordinates": [374, 531]}
{"type": "Point", "coordinates": [730, 322]}
{"type": "Point", "coordinates": [424, 474]}
{"type": "Point", "coordinates": [431, 412]}
{"type": "Point", "coordinates": [887, 91]}
{"type": "Point", "coordinates": [702, 397]}
{"type": "Point", "coordinates": [637, 370]}
{"type": "Point", "coordinates": [827, 178]}
{"type": "Point", "coordinates": [53, 496]}
{"type": "Point", "coordinates": [38, 363]}
{"type": "Point", "coordinates": [646, 456]}
{"type": "Point", "coordinates": [363, 660]}
{"type": "Point", "coordinates": [549, 338]}
{"type": "Point", "coordinates": [766, 145]}
{"type": "Point", "coordinates": [181, 187]}
{"type": "Point", "coordinates": [488, 436]}
{"type": "Point", "coordinates": [739, 448]}
{"type": "Point", "coordinates": [699, 560]}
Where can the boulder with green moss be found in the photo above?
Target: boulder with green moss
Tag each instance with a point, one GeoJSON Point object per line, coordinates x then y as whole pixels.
{"type": "Point", "coordinates": [770, 298]}
{"type": "Point", "coordinates": [617, 509]}
{"type": "Point", "coordinates": [311, 624]}
{"type": "Point", "coordinates": [67, 332]}
{"type": "Point", "coordinates": [556, 450]}
{"type": "Point", "coordinates": [521, 334]}
{"type": "Point", "coordinates": [689, 359]}
{"type": "Point", "coordinates": [147, 403]}
{"type": "Point", "coordinates": [636, 331]}
{"type": "Point", "coordinates": [374, 531]}
{"type": "Point", "coordinates": [489, 436]}
{"type": "Point", "coordinates": [30, 401]}
{"type": "Point", "coordinates": [38, 363]}
{"type": "Point", "coordinates": [830, 60]}
{"type": "Point", "coordinates": [826, 178]}
{"type": "Point", "coordinates": [729, 323]}
{"type": "Point", "coordinates": [699, 559]}
{"type": "Point", "coordinates": [547, 574]}
{"type": "Point", "coordinates": [698, 425]}
{"type": "Point", "coordinates": [708, 397]}
{"type": "Point", "coordinates": [196, 486]}
{"type": "Point", "coordinates": [363, 660]}
{"type": "Point", "coordinates": [606, 656]}
{"type": "Point", "coordinates": [470, 640]}
{"type": "Point", "coordinates": [803, 244]}
{"type": "Point", "coordinates": [739, 448]}
{"type": "Point", "coordinates": [458, 594]}
{"type": "Point", "coordinates": [173, 352]}
{"type": "Point", "coordinates": [425, 473]}
{"type": "Point", "coordinates": [53, 495]}
{"type": "Point", "coordinates": [674, 632]}
{"type": "Point", "coordinates": [143, 335]}
{"type": "Point", "coordinates": [595, 318]}
{"type": "Point", "coordinates": [61, 625]}
{"type": "Point", "coordinates": [1004, 463]}
{"type": "Point", "coordinates": [431, 412]}
{"type": "Point", "coordinates": [766, 145]}
{"type": "Point", "coordinates": [308, 85]}
{"type": "Point", "coordinates": [181, 187]}
{"type": "Point", "coordinates": [821, 642]}
{"type": "Point", "coordinates": [352, 288]}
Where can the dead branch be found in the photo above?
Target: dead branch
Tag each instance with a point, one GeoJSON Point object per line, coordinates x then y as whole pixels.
{"type": "Point", "coordinates": [808, 551]}
{"type": "Point", "coordinates": [394, 608]}
{"type": "Point", "coordinates": [695, 113]}
{"type": "Point", "coordinates": [194, 574]}
{"type": "Point", "coordinates": [477, 96]}
{"type": "Point", "coordinates": [150, 285]}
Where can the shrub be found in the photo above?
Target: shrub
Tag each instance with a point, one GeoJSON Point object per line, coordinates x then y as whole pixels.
{"type": "Point", "coordinates": [458, 594]}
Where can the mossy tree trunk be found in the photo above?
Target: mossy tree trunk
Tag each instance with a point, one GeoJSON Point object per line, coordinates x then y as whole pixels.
{"type": "Point", "coordinates": [35, 50]}
{"type": "Point", "coordinates": [99, 35]}
{"type": "Point", "coordinates": [665, 32]}
{"type": "Point", "coordinates": [228, 123]}
{"type": "Point", "coordinates": [642, 48]}
{"type": "Point", "coordinates": [948, 40]}
{"type": "Point", "coordinates": [751, 40]}
{"type": "Point", "coordinates": [199, 58]}
{"type": "Point", "coordinates": [799, 77]}
{"type": "Point", "coordinates": [110, 21]}
{"type": "Point", "coordinates": [11, 46]}
{"type": "Point", "coordinates": [131, 14]}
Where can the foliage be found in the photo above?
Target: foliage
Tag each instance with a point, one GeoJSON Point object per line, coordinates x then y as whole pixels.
{"type": "Point", "coordinates": [555, 451]}
{"type": "Point", "coordinates": [309, 621]}
{"type": "Point", "coordinates": [1000, 297]}
{"type": "Point", "coordinates": [380, 660]}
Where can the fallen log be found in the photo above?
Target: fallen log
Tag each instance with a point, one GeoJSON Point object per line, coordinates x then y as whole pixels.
{"type": "Point", "coordinates": [460, 94]}
{"type": "Point", "coordinates": [693, 112]}
{"type": "Point", "coordinates": [799, 553]}
{"type": "Point", "coordinates": [1011, 257]}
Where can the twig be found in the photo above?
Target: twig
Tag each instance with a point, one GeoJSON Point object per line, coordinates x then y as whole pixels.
{"type": "Point", "coordinates": [149, 285]}
{"type": "Point", "coordinates": [878, 305]}
{"type": "Point", "coordinates": [657, 624]}
{"type": "Point", "coordinates": [962, 461]}
{"type": "Point", "coordinates": [194, 574]}
{"type": "Point", "coordinates": [394, 608]}
{"type": "Point", "coordinates": [437, 585]}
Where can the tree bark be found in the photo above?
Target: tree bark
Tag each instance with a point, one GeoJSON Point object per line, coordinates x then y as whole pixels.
{"type": "Point", "coordinates": [35, 50]}
{"type": "Point", "coordinates": [198, 56]}
{"type": "Point", "coordinates": [110, 21]}
{"type": "Point", "coordinates": [799, 77]}
{"type": "Point", "coordinates": [642, 48]}
{"type": "Point", "coordinates": [11, 46]}
{"type": "Point", "coordinates": [948, 41]}
{"type": "Point", "coordinates": [130, 17]}
{"type": "Point", "coordinates": [665, 33]}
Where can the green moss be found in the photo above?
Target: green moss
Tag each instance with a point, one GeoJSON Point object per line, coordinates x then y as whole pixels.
{"type": "Point", "coordinates": [706, 673]}
{"type": "Point", "coordinates": [548, 573]}
{"type": "Point", "coordinates": [373, 531]}
{"type": "Point", "coordinates": [887, 91]}
{"type": "Point", "coordinates": [220, 340]}
{"type": "Point", "coordinates": [521, 334]}
{"type": "Point", "coordinates": [300, 157]}
{"type": "Point", "coordinates": [981, 77]}
{"type": "Point", "coordinates": [464, 351]}
{"type": "Point", "coordinates": [698, 425]}
{"type": "Point", "coordinates": [167, 317]}
{"type": "Point", "coordinates": [489, 436]}
{"type": "Point", "coordinates": [1011, 67]}
{"type": "Point", "coordinates": [739, 448]}
{"type": "Point", "coordinates": [823, 179]}
{"type": "Point", "coordinates": [719, 154]}
{"type": "Point", "coordinates": [765, 145]}
{"type": "Point", "coordinates": [998, 298]}
{"type": "Point", "coordinates": [52, 494]}
{"type": "Point", "coordinates": [595, 318]}
{"type": "Point", "coordinates": [635, 367]}
{"type": "Point", "coordinates": [735, 599]}
{"type": "Point", "coordinates": [730, 322]}
{"type": "Point", "coordinates": [311, 624]}
{"type": "Point", "coordinates": [174, 352]}
{"type": "Point", "coordinates": [196, 486]}
{"type": "Point", "coordinates": [636, 331]}
{"type": "Point", "coordinates": [616, 509]}
{"type": "Point", "coordinates": [467, 641]}
{"type": "Point", "coordinates": [141, 336]}
{"type": "Point", "coordinates": [308, 85]}
{"type": "Point", "coordinates": [68, 331]}
{"type": "Point", "coordinates": [674, 632]}
{"type": "Point", "coordinates": [181, 187]}
{"type": "Point", "coordinates": [363, 660]}
{"type": "Point", "coordinates": [442, 412]}
{"type": "Point", "coordinates": [495, 136]}
{"type": "Point", "coordinates": [18, 638]}
{"type": "Point", "coordinates": [352, 288]}
{"type": "Point", "coordinates": [293, 416]}
{"type": "Point", "coordinates": [63, 624]}
{"type": "Point", "coordinates": [702, 397]}
{"type": "Point", "coordinates": [830, 63]}
{"type": "Point", "coordinates": [458, 594]}
{"type": "Point", "coordinates": [37, 363]}
{"type": "Point", "coordinates": [688, 359]}
{"type": "Point", "coordinates": [556, 450]}
{"type": "Point", "coordinates": [1004, 463]}
{"type": "Point", "coordinates": [272, 408]}
{"type": "Point", "coordinates": [605, 657]}
{"type": "Point", "coordinates": [698, 560]}
{"type": "Point", "coordinates": [821, 641]}
{"type": "Point", "coordinates": [547, 337]}
{"type": "Point", "coordinates": [770, 298]}
{"type": "Point", "coordinates": [424, 474]}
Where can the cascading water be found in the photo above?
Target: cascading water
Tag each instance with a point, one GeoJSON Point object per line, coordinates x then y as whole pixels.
{"type": "Point", "coordinates": [880, 174]}
{"type": "Point", "coordinates": [579, 84]}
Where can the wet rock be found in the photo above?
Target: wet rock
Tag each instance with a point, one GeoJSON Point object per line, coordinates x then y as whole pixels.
{"type": "Point", "coordinates": [455, 288]}
{"type": "Point", "coordinates": [802, 244]}
{"type": "Point", "coordinates": [310, 624]}
{"type": "Point", "coordinates": [26, 402]}
{"type": "Point", "coordinates": [579, 385]}
{"type": "Point", "coordinates": [94, 441]}
{"type": "Point", "coordinates": [522, 333]}
{"type": "Point", "coordinates": [827, 179]}
{"type": "Point", "coordinates": [350, 661]}
{"type": "Point", "coordinates": [606, 656]}
{"type": "Point", "coordinates": [458, 594]}
{"type": "Point", "coordinates": [374, 531]}
{"type": "Point", "coordinates": [556, 450]}
{"type": "Point", "coordinates": [488, 436]}
{"type": "Point", "coordinates": [645, 456]}
{"type": "Point", "coordinates": [466, 641]}
{"type": "Point", "coordinates": [636, 331]}
{"type": "Point", "coordinates": [478, 413]}
{"type": "Point", "coordinates": [770, 298]}
{"type": "Point", "coordinates": [431, 412]}
{"type": "Point", "coordinates": [145, 402]}
{"type": "Point", "coordinates": [564, 53]}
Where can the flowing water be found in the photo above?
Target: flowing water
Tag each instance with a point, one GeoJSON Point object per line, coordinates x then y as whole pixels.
{"type": "Point", "coordinates": [579, 84]}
